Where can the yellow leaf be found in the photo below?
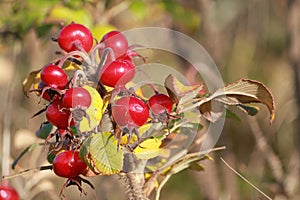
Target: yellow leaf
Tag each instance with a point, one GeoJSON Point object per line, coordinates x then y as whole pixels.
{"type": "Point", "coordinates": [148, 149]}
{"type": "Point", "coordinates": [124, 139]}
{"type": "Point", "coordinates": [94, 111]}
{"type": "Point", "coordinates": [144, 128]}
{"type": "Point", "coordinates": [99, 31]}
{"type": "Point", "coordinates": [70, 66]}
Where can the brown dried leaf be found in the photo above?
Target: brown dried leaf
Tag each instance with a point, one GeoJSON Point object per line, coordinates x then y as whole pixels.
{"type": "Point", "coordinates": [180, 93]}
{"type": "Point", "coordinates": [32, 78]}
{"type": "Point", "coordinates": [241, 93]}
{"type": "Point", "coordinates": [212, 113]}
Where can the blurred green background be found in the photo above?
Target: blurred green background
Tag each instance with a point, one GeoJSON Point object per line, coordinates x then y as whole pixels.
{"type": "Point", "coordinates": [247, 39]}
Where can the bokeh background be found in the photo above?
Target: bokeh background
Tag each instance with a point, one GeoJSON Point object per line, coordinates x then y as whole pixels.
{"type": "Point", "coordinates": [247, 39]}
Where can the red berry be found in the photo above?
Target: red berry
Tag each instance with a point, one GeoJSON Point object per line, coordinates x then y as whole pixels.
{"type": "Point", "coordinates": [117, 72]}
{"type": "Point", "coordinates": [58, 115]}
{"type": "Point", "coordinates": [68, 164]}
{"type": "Point", "coordinates": [77, 97]}
{"type": "Point", "coordinates": [54, 77]}
{"type": "Point", "coordinates": [160, 103]}
{"type": "Point", "coordinates": [8, 193]}
{"type": "Point", "coordinates": [130, 112]}
{"type": "Point", "coordinates": [73, 36]}
{"type": "Point", "coordinates": [116, 41]}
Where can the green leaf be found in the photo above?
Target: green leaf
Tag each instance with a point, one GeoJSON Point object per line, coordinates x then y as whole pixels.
{"type": "Point", "coordinates": [43, 29]}
{"type": "Point", "coordinates": [28, 149]}
{"type": "Point", "coordinates": [44, 131]}
{"type": "Point", "coordinates": [101, 153]}
{"type": "Point", "coordinates": [182, 14]}
{"type": "Point", "coordinates": [249, 109]}
{"type": "Point", "coordinates": [138, 9]}
{"type": "Point", "coordinates": [231, 115]}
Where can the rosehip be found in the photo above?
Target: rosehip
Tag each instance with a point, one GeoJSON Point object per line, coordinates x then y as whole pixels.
{"type": "Point", "coordinates": [54, 77]}
{"type": "Point", "coordinates": [73, 36]}
{"type": "Point", "coordinates": [77, 97]}
{"type": "Point", "coordinates": [160, 103]}
{"type": "Point", "coordinates": [116, 41]}
{"type": "Point", "coordinates": [58, 115]}
{"type": "Point", "coordinates": [130, 111]}
{"type": "Point", "coordinates": [117, 72]}
{"type": "Point", "coordinates": [68, 164]}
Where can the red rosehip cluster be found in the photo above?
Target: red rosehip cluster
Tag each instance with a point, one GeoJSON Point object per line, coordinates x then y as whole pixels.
{"type": "Point", "coordinates": [111, 62]}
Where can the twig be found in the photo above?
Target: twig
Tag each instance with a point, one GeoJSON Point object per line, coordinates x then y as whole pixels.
{"type": "Point", "coordinates": [294, 53]}
{"type": "Point", "coordinates": [115, 11]}
{"type": "Point", "coordinates": [273, 160]}
{"type": "Point", "coordinates": [242, 177]}
{"type": "Point", "coordinates": [6, 134]}
{"type": "Point", "coordinates": [27, 171]}
{"type": "Point", "coordinates": [163, 182]}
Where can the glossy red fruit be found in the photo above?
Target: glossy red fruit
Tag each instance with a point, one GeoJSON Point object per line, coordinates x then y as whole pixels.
{"type": "Point", "coordinates": [8, 193]}
{"type": "Point", "coordinates": [116, 41]}
{"type": "Point", "coordinates": [68, 164]}
{"type": "Point", "coordinates": [117, 72]}
{"type": "Point", "coordinates": [54, 77]}
{"type": "Point", "coordinates": [58, 115]}
{"type": "Point", "coordinates": [130, 112]}
{"type": "Point", "coordinates": [74, 36]}
{"type": "Point", "coordinates": [160, 103]}
{"type": "Point", "coordinates": [77, 97]}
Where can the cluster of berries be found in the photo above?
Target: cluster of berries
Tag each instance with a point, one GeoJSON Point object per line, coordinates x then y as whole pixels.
{"type": "Point", "coordinates": [113, 65]}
